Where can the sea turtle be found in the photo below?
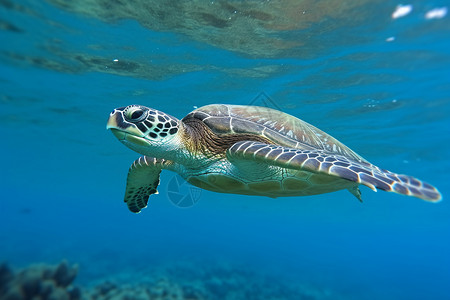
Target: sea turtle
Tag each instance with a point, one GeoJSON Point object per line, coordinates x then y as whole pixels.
{"type": "Point", "coordinates": [247, 150]}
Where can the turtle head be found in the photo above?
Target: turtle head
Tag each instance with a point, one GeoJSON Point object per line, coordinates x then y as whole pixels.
{"type": "Point", "coordinates": [145, 130]}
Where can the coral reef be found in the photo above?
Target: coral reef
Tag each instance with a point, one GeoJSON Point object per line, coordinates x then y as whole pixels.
{"type": "Point", "coordinates": [181, 281]}
{"type": "Point", "coordinates": [39, 282]}
{"type": "Point", "coordinates": [162, 289]}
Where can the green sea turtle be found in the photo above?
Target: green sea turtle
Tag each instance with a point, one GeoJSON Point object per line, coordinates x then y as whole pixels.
{"type": "Point", "coordinates": [247, 150]}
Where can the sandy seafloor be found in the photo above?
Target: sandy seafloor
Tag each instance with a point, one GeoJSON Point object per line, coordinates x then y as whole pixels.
{"type": "Point", "coordinates": [370, 73]}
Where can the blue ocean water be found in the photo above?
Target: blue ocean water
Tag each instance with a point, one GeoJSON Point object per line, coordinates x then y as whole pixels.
{"type": "Point", "coordinates": [378, 83]}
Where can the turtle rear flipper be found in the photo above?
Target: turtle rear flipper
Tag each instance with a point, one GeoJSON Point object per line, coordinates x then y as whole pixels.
{"type": "Point", "coordinates": [321, 162]}
{"type": "Point", "coordinates": [142, 181]}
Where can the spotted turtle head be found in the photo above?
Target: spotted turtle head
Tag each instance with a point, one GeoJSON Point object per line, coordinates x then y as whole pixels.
{"type": "Point", "coordinates": [145, 130]}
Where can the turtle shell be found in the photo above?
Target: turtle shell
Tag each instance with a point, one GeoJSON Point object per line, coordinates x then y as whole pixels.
{"type": "Point", "coordinates": [279, 127]}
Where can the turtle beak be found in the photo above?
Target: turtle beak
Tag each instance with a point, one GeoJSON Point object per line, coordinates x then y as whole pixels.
{"type": "Point", "coordinates": [112, 122]}
{"type": "Point", "coordinates": [120, 135]}
{"type": "Point", "coordinates": [113, 125]}
{"type": "Point", "coordinates": [120, 128]}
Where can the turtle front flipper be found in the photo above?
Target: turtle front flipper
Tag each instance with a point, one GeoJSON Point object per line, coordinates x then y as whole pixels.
{"type": "Point", "coordinates": [142, 181]}
{"type": "Point", "coordinates": [321, 162]}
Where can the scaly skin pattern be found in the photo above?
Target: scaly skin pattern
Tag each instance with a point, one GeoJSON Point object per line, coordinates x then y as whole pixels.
{"type": "Point", "coordinates": [319, 162]}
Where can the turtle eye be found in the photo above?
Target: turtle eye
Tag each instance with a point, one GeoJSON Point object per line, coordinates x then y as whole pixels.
{"type": "Point", "coordinates": [135, 114]}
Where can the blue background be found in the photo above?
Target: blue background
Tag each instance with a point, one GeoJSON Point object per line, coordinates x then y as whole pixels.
{"type": "Point", "coordinates": [63, 175]}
